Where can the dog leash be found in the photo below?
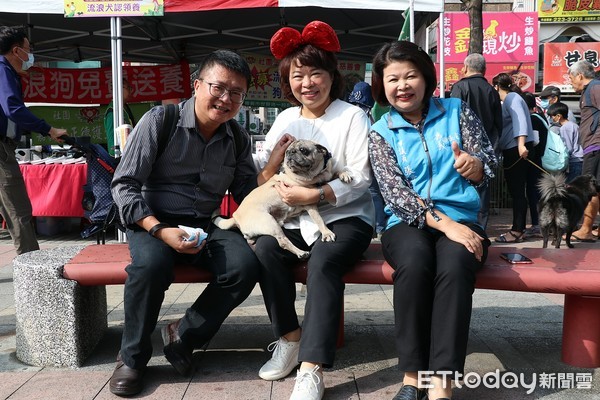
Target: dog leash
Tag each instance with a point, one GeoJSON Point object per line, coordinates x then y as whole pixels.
{"type": "Point", "coordinates": [538, 167]}
{"type": "Point", "coordinates": [531, 162]}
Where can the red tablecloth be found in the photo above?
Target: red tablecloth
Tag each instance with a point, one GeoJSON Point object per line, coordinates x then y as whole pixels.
{"type": "Point", "coordinates": [55, 190]}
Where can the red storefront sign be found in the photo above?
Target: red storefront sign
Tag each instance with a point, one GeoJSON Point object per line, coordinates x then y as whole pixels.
{"type": "Point", "coordinates": [94, 85]}
{"type": "Point", "coordinates": [507, 36]}
{"type": "Point", "coordinates": [523, 74]}
{"type": "Point", "coordinates": [558, 57]}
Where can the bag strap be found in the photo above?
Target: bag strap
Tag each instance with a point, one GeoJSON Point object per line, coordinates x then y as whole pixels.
{"type": "Point", "coordinates": [169, 124]}
{"type": "Point", "coordinates": [238, 137]}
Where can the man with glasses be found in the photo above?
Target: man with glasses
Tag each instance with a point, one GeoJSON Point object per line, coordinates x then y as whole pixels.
{"type": "Point", "coordinates": [15, 118]}
{"type": "Point", "coordinates": [182, 187]}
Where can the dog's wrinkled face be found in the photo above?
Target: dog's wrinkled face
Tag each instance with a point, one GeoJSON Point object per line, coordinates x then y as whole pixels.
{"type": "Point", "coordinates": [306, 159]}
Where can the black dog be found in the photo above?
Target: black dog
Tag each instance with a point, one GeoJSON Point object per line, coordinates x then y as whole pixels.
{"type": "Point", "coordinates": [562, 204]}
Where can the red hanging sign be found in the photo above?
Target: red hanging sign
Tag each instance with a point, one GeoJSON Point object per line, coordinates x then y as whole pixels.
{"type": "Point", "coordinates": [94, 85]}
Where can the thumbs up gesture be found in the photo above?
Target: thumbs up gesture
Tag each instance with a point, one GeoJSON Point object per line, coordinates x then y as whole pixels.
{"type": "Point", "coordinates": [467, 166]}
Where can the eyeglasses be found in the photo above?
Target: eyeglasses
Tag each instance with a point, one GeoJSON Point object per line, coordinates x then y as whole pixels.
{"type": "Point", "coordinates": [219, 91]}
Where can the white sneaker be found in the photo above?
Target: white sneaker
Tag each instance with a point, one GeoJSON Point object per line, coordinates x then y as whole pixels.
{"type": "Point", "coordinates": [282, 362]}
{"type": "Point", "coordinates": [309, 385]}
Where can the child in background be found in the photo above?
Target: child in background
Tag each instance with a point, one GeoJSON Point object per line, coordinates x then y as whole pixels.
{"type": "Point", "coordinates": [569, 132]}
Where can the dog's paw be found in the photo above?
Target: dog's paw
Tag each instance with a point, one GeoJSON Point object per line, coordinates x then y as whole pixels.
{"type": "Point", "coordinates": [328, 237]}
{"type": "Point", "coordinates": [345, 176]}
{"type": "Point", "coordinates": [303, 255]}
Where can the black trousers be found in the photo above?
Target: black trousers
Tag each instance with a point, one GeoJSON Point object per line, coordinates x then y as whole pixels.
{"type": "Point", "coordinates": [328, 263]}
{"type": "Point", "coordinates": [516, 170]}
{"type": "Point", "coordinates": [434, 280]}
{"type": "Point", "coordinates": [226, 254]}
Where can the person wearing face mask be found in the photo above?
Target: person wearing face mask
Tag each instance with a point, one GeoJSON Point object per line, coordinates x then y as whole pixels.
{"type": "Point", "coordinates": [15, 117]}
{"type": "Point", "coordinates": [551, 95]}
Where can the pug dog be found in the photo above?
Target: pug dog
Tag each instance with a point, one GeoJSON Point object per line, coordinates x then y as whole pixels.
{"type": "Point", "coordinates": [263, 212]}
{"type": "Point", "coordinates": [562, 204]}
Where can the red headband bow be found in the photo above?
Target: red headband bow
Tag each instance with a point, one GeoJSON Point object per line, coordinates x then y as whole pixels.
{"type": "Point", "coordinates": [317, 33]}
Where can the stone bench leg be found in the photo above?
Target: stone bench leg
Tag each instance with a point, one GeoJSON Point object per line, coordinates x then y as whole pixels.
{"type": "Point", "coordinates": [59, 322]}
{"type": "Point", "coordinates": [581, 331]}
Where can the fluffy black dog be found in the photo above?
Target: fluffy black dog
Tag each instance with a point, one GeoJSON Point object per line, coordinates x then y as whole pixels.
{"type": "Point", "coordinates": [562, 204]}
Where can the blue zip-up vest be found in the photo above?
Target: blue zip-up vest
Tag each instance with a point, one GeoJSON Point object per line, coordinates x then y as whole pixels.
{"type": "Point", "coordinates": [450, 192]}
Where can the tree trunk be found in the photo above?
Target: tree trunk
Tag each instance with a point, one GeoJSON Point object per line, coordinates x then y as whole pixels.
{"type": "Point", "coordinates": [475, 7]}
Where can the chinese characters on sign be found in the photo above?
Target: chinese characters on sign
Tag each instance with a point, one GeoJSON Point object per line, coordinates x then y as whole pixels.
{"type": "Point", "coordinates": [523, 73]}
{"type": "Point", "coordinates": [558, 57]}
{"type": "Point", "coordinates": [507, 36]}
{"type": "Point", "coordinates": [113, 8]}
{"type": "Point", "coordinates": [94, 86]}
{"type": "Point", "coordinates": [568, 10]}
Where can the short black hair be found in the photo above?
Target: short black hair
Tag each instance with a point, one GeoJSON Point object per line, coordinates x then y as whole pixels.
{"type": "Point", "coordinates": [11, 36]}
{"type": "Point", "coordinates": [227, 59]}
{"type": "Point", "coordinates": [558, 108]}
{"type": "Point", "coordinates": [401, 51]}
{"type": "Point", "coordinates": [529, 100]}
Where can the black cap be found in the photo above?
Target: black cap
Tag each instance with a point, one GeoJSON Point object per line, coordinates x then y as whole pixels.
{"type": "Point", "coordinates": [550, 91]}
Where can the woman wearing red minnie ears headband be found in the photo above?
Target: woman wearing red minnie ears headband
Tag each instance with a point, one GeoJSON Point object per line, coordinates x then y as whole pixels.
{"type": "Point", "coordinates": [310, 80]}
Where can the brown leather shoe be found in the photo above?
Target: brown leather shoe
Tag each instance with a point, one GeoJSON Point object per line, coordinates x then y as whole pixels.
{"type": "Point", "coordinates": [177, 352]}
{"type": "Point", "coordinates": [126, 381]}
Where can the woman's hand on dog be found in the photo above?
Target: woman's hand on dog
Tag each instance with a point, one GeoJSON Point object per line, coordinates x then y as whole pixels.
{"type": "Point", "coordinates": [275, 159]}
{"type": "Point", "coordinates": [297, 195]}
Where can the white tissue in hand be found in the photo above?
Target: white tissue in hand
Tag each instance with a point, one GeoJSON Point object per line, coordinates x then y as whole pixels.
{"type": "Point", "coordinates": [193, 234]}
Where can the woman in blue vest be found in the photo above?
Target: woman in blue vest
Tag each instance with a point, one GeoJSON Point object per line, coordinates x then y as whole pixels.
{"type": "Point", "coordinates": [428, 156]}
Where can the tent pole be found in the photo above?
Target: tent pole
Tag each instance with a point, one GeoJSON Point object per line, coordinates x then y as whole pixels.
{"type": "Point", "coordinates": [117, 86]}
{"type": "Point", "coordinates": [117, 74]}
{"type": "Point", "coordinates": [411, 13]}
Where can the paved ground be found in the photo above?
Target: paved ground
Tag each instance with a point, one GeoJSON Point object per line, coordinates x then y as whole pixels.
{"type": "Point", "coordinates": [512, 334]}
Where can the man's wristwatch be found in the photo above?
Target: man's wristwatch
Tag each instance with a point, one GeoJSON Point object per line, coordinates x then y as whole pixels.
{"type": "Point", "coordinates": [156, 228]}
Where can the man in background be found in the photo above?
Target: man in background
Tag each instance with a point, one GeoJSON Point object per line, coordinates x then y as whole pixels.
{"type": "Point", "coordinates": [582, 76]}
{"type": "Point", "coordinates": [551, 95]}
{"type": "Point", "coordinates": [15, 118]}
{"type": "Point", "coordinates": [484, 100]}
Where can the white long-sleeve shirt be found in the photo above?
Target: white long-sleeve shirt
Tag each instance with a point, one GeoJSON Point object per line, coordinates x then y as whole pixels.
{"type": "Point", "coordinates": [343, 130]}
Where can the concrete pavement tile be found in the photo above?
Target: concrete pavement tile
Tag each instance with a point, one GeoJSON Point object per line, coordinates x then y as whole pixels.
{"type": "Point", "coordinates": [340, 385]}
{"type": "Point", "coordinates": [210, 384]}
{"type": "Point", "coordinates": [62, 384]}
{"type": "Point", "coordinates": [283, 388]}
{"type": "Point", "coordinates": [10, 382]}
{"type": "Point", "coordinates": [380, 384]}
{"type": "Point", "coordinates": [367, 348]}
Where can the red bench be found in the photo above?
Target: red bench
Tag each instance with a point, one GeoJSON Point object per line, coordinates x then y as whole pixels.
{"type": "Point", "coordinates": [572, 272]}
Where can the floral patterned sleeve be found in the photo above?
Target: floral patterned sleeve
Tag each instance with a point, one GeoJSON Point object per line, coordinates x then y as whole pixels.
{"type": "Point", "coordinates": [476, 142]}
{"type": "Point", "coordinates": [396, 190]}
